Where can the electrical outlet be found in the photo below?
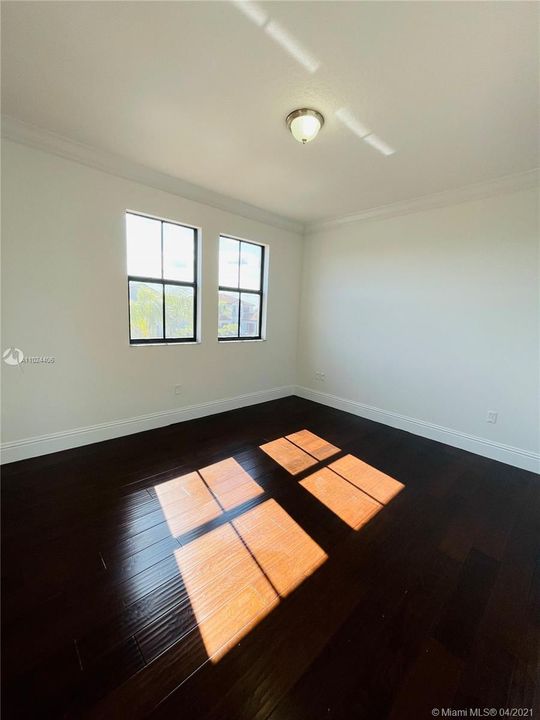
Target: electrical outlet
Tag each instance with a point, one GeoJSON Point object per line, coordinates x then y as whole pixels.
{"type": "Point", "coordinates": [320, 376]}
{"type": "Point", "coordinates": [177, 389]}
{"type": "Point", "coordinates": [492, 416]}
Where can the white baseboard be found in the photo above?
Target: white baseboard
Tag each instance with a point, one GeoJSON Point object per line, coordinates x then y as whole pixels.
{"type": "Point", "coordinates": [525, 459]}
{"type": "Point", "coordinates": [53, 442]}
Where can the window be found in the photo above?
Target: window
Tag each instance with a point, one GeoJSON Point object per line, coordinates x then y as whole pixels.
{"type": "Point", "coordinates": [162, 280]}
{"type": "Point", "coordinates": [241, 272]}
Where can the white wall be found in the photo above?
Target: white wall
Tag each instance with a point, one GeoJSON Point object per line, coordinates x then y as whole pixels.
{"type": "Point", "coordinates": [433, 316]}
{"type": "Point", "coordinates": [65, 295]}
{"type": "Point", "coordinates": [424, 321]}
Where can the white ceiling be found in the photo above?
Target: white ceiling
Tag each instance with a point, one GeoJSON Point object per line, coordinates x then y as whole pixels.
{"type": "Point", "coordinates": [200, 91]}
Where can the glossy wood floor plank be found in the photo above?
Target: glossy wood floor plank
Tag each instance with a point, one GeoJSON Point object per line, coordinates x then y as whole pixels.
{"type": "Point", "coordinates": [219, 569]}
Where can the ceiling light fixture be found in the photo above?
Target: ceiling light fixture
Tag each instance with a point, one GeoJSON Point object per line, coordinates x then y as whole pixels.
{"type": "Point", "coordinates": [304, 124]}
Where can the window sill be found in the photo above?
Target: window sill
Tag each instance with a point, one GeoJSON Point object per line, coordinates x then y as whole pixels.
{"type": "Point", "coordinates": [224, 341]}
{"type": "Point", "coordinates": [171, 344]}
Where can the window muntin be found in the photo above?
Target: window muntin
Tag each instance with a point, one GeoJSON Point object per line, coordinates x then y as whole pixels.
{"type": "Point", "coordinates": [240, 296]}
{"type": "Point", "coordinates": [162, 280]}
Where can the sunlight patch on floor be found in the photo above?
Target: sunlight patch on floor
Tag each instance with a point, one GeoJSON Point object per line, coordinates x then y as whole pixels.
{"type": "Point", "coordinates": [375, 483]}
{"type": "Point", "coordinates": [230, 483]}
{"type": "Point", "coordinates": [283, 550]}
{"type": "Point", "coordinates": [236, 574]}
{"type": "Point", "coordinates": [241, 565]}
{"type": "Point", "coordinates": [312, 444]}
{"type": "Point", "coordinates": [351, 505]}
{"type": "Point", "coordinates": [186, 503]}
{"type": "Point", "coordinates": [289, 456]}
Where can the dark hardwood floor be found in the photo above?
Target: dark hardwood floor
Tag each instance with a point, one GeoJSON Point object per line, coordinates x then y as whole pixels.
{"type": "Point", "coordinates": [292, 582]}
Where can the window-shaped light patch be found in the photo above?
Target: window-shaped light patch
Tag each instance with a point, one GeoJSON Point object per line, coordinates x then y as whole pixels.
{"type": "Point", "coordinates": [230, 483]}
{"type": "Point", "coordinates": [378, 485]}
{"type": "Point", "coordinates": [186, 503]}
{"type": "Point", "coordinates": [313, 444]}
{"type": "Point", "coordinates": [288, 455]}
{"type": "Point", "coordinates": [349, 503]}
{"type": "Point", "coordinates": [284, 550]}
{"type": "Point", "coordinates": [236, 574]}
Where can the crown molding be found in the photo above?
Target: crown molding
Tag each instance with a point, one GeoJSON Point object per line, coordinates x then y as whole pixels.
{"type": "Point", "coordinates": [33, 136]}
{"type": "Point", "coordinates": [498, 186]}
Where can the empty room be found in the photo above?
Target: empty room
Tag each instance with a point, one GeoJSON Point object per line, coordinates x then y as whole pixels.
{"type": "Point", "coordinates": [270, 360]}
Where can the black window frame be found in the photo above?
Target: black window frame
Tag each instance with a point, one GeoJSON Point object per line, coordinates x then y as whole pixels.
{"type": "Point", "coordinates": [240, 290]}
{"type": "Point", "coordinates": [163, 282]}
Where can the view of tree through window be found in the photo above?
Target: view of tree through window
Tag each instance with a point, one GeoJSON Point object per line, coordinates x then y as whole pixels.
{"type": "Point", "coordinates": [241, 271]}
{"type": "Point", "coordinates": [162, 262]}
